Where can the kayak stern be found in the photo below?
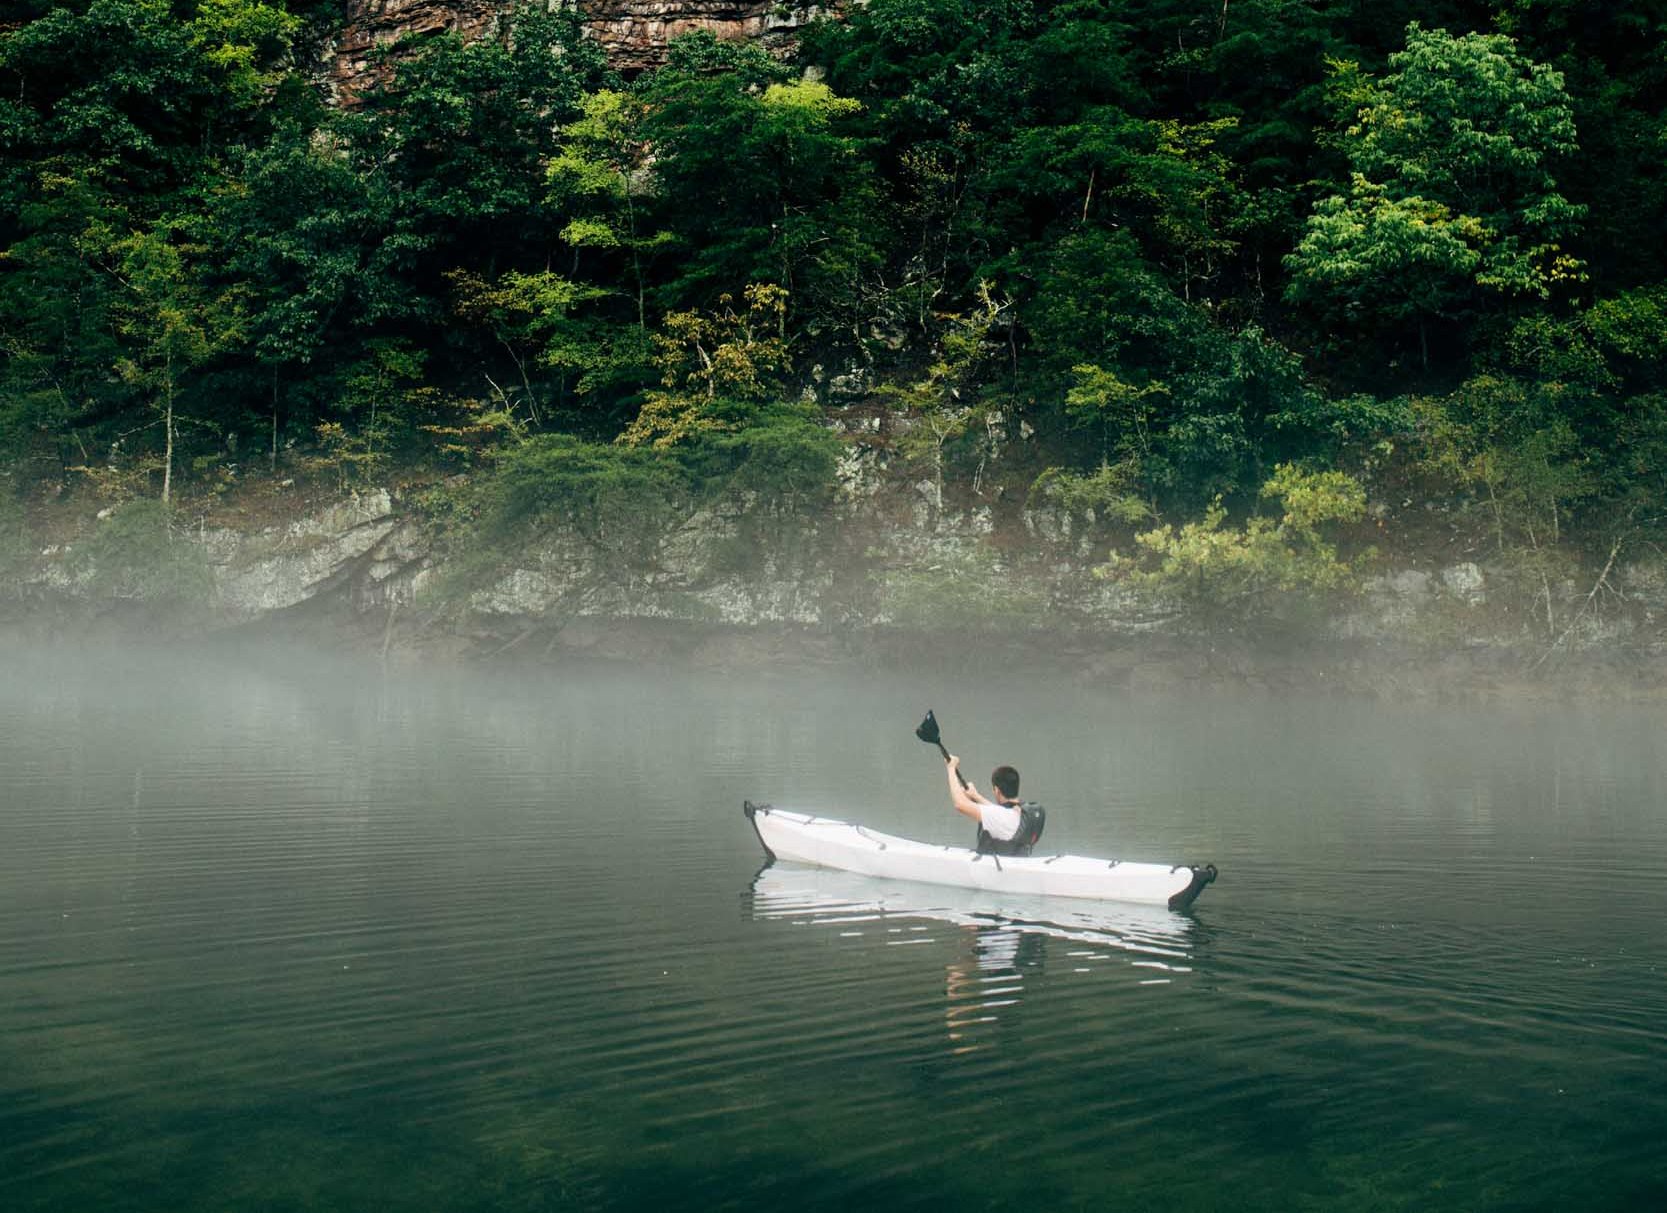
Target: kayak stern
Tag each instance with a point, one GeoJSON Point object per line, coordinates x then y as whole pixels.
{"type": "Point", "coordinates": [1201, 876]}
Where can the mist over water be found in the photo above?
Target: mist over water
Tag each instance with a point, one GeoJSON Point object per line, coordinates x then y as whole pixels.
{"type": "Point", "coordinates": [280, 932]}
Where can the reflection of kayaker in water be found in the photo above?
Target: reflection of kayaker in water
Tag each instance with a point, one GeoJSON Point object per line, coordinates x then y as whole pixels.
{"type": "Point", "coordinates": [1006, 826]}
{"type": "Point", "coordinates": [988, 976]}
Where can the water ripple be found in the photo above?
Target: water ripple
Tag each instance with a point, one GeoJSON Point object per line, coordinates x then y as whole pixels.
{"type": "Point", "coordinates": [440, 943]}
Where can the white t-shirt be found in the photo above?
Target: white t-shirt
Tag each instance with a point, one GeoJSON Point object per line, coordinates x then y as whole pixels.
{"type": "Point", "coordinates": [1000, 821]}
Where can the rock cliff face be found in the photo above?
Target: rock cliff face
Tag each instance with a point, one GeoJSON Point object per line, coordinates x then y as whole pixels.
{"type": "Point", "coordinates": [633, 32]}
{"type": "Point", "coordinates": [892, 567]}
{"type": "Point", "coordinates": [349, 62]}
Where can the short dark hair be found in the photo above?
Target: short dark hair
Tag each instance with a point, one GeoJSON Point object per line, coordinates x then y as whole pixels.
{"type": "Point", "coordinates": [1006, 781]}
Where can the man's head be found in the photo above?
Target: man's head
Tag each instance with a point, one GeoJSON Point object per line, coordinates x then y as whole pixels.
{"type": "Point", "coordinates": [1006, 781]}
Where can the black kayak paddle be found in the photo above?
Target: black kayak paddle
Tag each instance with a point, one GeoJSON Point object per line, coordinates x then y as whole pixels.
{"type": "Point", "coordinates": [928, 732]}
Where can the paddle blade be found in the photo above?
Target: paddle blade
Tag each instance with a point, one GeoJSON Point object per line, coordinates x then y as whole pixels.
{"type": "Point", "coordinates": [928, 730]}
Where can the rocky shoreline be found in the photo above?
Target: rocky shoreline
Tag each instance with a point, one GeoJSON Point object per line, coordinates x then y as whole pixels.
{"type": "Point", "coordinates": [356, 575]}
{"type": "Point", "coordinates": [893, 573]}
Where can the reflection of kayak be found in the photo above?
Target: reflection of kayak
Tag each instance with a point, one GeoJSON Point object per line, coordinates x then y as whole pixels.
{"type": "Point", "coordinates": [824, 842]}
{"type": "Point", "coordinates": [834, 898]}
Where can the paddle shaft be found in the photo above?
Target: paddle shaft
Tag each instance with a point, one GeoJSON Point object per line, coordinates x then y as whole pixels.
{"type": "Point", "coordinates": [958, 774]}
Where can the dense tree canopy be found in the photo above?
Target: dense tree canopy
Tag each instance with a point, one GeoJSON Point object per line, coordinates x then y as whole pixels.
{"type": "Point", "coordinates": [1180, 245]}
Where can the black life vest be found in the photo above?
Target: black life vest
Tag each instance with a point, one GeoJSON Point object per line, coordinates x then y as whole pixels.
{"type": "Point", "coordinates": [1032, 817]}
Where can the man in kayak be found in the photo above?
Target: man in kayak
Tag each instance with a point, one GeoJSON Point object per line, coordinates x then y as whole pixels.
{"type": "Point", "coordinates": [1005, 825]}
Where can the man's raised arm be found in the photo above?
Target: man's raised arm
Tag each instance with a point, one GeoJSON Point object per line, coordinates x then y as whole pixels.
{"type": "Point", "coordinates": [966, 799]}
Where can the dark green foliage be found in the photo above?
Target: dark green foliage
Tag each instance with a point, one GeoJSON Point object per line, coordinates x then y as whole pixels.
{"type": "Point", "coordinates": [609, 493]}
{"type": "Point", "coordinates": [1213, 405]}
{"type": "Point", "coordinates": [114, 114]}
{"type": "Point", "coordinates": [1452, 200]}
{"type": "Point", "coordinates": [768, 468]}
{"type": "Point", "coordinates": [135, 87]}
{"type": "Point", "coordinates": [461, 134]}
{"type": "Point", "coordinates": [768, 184]}
{"type": "Point", "coordinates": [1182, 244]}
{"type": "Point", "coordinates": [774, 459]}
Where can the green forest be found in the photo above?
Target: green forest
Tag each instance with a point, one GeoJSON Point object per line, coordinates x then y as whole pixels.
{"type": "Point", "coordinates": [1363, 260]}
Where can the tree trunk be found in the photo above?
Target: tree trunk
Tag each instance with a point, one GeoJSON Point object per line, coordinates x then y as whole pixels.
{"type": "Point", "coordinates": [168, 430]}
{"type": "Point", "coordinates": [274, 456]}
{"type": "Point", "coordinates": [636, 255]}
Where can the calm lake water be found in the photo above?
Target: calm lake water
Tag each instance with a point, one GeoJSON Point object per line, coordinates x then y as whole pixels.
{"type": "Point", "coordinates": [279, 933]}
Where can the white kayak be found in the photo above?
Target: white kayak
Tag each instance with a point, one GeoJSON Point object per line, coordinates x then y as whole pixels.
{"type": "Point", "coordinates": [827, 843]}
{"type": "Point", "coordinates": [810, 896]}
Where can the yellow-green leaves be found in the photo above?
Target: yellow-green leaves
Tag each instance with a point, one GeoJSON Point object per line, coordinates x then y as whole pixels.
{"type": "Point", "coordinates": [731, 354]}
{"type": "Point", "coordinates": [600, 150]}
{"type": "Point", "coordinates": [1469, 119]}
{"type": "Point", "coordinates": [1312, 499]}
{"type": "Point", "coordinates": [248, 42]}
{"type": "Point", "coordinates": [1226, 576]}
{"type": "Point", "coordinates": [1372, 252]}
{"type": "Point", "coordinates": [811, 99]}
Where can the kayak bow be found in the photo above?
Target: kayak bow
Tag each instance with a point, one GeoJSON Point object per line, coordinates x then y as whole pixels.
{"type": "Point", "coordinates": [827, 843]}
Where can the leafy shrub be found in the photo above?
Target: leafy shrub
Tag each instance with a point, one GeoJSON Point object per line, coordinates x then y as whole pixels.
{"type": "Point", "coordinates": [775, 459]}
{"type": "Point", "coordinates": [709, 361]}
{"type": "Point", "coordinates": [135, 554]}
{"type": "Point", "coordinates": [1105, 495]}
{"type": "Point", "coordinates": [771, 465]}
{"type": "Point", "coordinates": [617, 497]}
{"type": "Point", "coordinates": [1220, 575]}
{"type": "Point", "coordinates": [1509, 444]}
